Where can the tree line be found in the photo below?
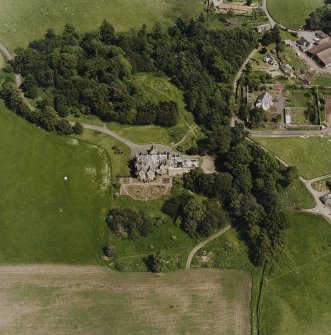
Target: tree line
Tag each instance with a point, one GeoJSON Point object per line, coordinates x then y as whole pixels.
{"type": "Point", "coordinates": [91, 73]}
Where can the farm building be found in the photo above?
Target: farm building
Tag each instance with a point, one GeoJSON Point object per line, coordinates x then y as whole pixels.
{"type": "Point", "coordinates": [264, 100]}
{"type": "Point", "coordinates": [303, 43]}
{"type": "Point", "coordinates": [286, 69]}
{"type": "Point", "coordinates": [152, 163]}
{"type": "Point", "coordinates": [321, 54]}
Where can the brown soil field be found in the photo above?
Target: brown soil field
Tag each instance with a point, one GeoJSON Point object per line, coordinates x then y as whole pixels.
{"type": "Point", "coordinates": [47, 299]}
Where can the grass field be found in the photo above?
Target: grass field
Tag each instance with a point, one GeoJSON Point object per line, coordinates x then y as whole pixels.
{"type": "Point", "coordinates": [323, 81]}
{"type": "Point", "coordinates": [292, 13]}
{"type": "Point", "coordinates": [167, 237]}
{"type": "Point", "coordinates": [22, 21]}
{"type": "Point", "coordinates": [92, 300]}
{"type": "Point", "coordinates": [119, 162]}
{"type": "Point", "coordinates": [296, 296]}
{"type": "Point", "coordinates": [44, 219]}
{"type": "Point", "coordinates": [310, 155]}
{"type": "Point", "coordinates": [297, 196]}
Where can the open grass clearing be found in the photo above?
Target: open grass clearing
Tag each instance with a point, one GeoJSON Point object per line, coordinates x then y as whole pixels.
{"type": "Point", "coordinates": [296, 295]}
{"type": "Point", "coordinates": [323, 81]}
{"type": "Point", "coordinates": [119, 161]}
{"type": "Point", "coordinates": [165, 236]}
{"type": "Point", "coordinates": [310, 155]}
{"type": "Point", "coordinates": [292, 13]}
{"type": "Point", "coordinates": [296, 97]}
{"type": "Point", "coordinates": [22, 21]}
{"type": "Point", "coordinates": [298, 116]}
{"type": "Point", "coordinates": [155, 89]}
{"type": "Point", "coordinates": [92, 300]}
{"type": "Point", "coordinates": [44, 219]}
{"type": "Point", "coordinates": [297, 196]}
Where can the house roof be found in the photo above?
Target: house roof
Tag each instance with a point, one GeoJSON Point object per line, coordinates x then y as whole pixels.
{"type": "Point", "coordinates": [303, 41]}
{"type": "Point", "coordinates": [264, 97]}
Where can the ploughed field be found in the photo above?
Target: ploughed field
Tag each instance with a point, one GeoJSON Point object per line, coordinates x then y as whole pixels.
{"type": "Point", "coordinates": [93, 300]}
{"type": "Point", "coordinates": [43, 218]}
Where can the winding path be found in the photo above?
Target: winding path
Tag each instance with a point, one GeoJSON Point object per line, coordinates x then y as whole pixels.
{"type": "Point", "coordinates": [202, 244]}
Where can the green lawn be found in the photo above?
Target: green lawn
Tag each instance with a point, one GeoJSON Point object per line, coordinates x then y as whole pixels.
{"type": "Point", "coordinates": [166, 236]}
{"type": "Point", "coordinates": [119, 162]}
{"type": "Point", "coordinates": [310, 155]}
{"type": "Point", "coordinates": [297, 98]}
{"type": "Point", "coordinates": [44, 219]}
{"type": "Point", "coordinates": [296, 295]}
{"type": "Point", "coordinates": [297, 196]}
{"type": "Point", "coordinates": [323, 81]}
{"type": "Point", "coordinates": [22, 21]}
{"type": "Point", "coordinates": [292, 13]}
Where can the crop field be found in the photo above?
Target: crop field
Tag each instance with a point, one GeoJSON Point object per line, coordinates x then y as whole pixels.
{"type": "Point", "coordinates": [292, 13]}
{"type": "Point", "coordinates": [297, 291]}
{"type": "Point", "coordinates": [22, 21]}
{"type": "Point", "coordinates": [93, 300]}
{"type": "Point", "coordinates": [310, 155]}
{"type": "Point", "coordinates": [44, 219]}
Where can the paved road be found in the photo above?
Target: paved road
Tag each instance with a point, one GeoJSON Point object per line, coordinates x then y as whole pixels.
{"type": "Point", "coordinates": [202, 244]}
{"type": "Point", "coordinates": [265, 9]}
{"type": "Point", "coordinates": [135, 148]}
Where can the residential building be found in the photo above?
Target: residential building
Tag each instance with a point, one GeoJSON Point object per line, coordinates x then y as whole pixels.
{"type": "Point", "coordinates": [264, 100]}
{"type": "Point", "coordinates": [152, 163]}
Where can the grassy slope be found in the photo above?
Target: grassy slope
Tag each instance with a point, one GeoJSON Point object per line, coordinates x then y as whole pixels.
{"type": "Point", "coordinates": [299, 302]}
{"type": "Point", "coordinates": [22, 21]}
{"type": "Point", "coordinates": [151, 88]}
{"type": "Point", "coordinates": [155, 89]}
{"type": "Point", "coordinates": [297, 196]}
{"type": "Point", "coordinates": [292, 13]}
{"type": "Point", "coordinates": [168, 237]}
{"type": "Point", "coordinates": [119, 162]}
{"type": "Point", "coordinates": [310, 155]}
{"type": "Point", "coordinates": [42, 218]}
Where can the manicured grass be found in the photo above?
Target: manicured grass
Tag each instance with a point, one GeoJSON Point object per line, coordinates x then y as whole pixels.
{"type": "Point", "coordinates": [292, 13]}
{"type": "Point", "coordinates": [296, 295]}
{"type": "Point", "coordinates": [297, 98]}
{"type": "Point", "coordinates": [44, 219]}
{"type": "Point", "coordinates": [323, 81]}
{"type": "Point", "coordinates": [310, 155]}
{"type": "Point", "coordinates": [166, 236]}
{"type": "Point", "coordinates": [119, 162]}
{"type": "Point", "coordinates": [298, 116]}
{"type": "Point", "coordinates": [22, 21]}
{"type": "Point", "coordinates": [297, 196]}
{"type": "Point", "coordinates": [93, 300]}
